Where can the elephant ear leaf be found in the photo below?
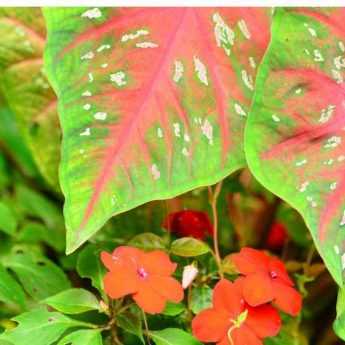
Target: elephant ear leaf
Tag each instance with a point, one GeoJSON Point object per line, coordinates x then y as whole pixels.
{"type": "Point", "coordinates": [295, 139]}
{"type": "Point", "coordinates": [152, 101]}
{"type": "Point", "coordinates": [24, 85]}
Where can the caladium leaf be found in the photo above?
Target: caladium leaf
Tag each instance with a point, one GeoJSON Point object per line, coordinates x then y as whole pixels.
{"type": "Point", "coordinates": [25, 87]}
{"type": "Point", "coordinates": [152, 102]}
{"type": "Point", "coordinates": [294, 138]}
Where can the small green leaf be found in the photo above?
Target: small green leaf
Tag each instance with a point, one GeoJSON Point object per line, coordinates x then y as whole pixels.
{"type": "Point", "coordinates": [39, 276]}
{"type": "Point", "coordinates": [73, 301]}
{"type": "Point", "coordinates": [83, 337]}
{"type": "Point", "coordinates": [201, 299]}
{"type": "Point", "coordinates": [173, 309]}
{"type": "Point", "coordinates": [189, 247]}
{"type": "Point", "coordinates": [39, 327]}
{"type": "Point", "coordinates": [10, 290]}
{"type": "Point", "coordinates": [8, 222]}
{"type": "Point", "coordinates": [131, 323]}
{"type": "Point", "coordinates": [147, 241]}
{"type": "Point", "coordinates": [89, 266]}
{"type": "Point", "coordinates": [173, 336]}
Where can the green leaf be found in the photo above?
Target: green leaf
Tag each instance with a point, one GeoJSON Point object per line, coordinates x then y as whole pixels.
{"type": "Point", "coordinates": [39, 327]}
{"type": "Point", "coordinates": [10, 290]}
{"type": "Point", "coordinates": [173, 336]}
{"type": "Point", "coordinates": [189, 247]}
{"type": "Point", "coordinates": [22, 73]}
{"type": "Point", "coordinates": [131, 323]}
{"type": "Point", "coordinates": [89, 266]}
{"type": "Point", "coordinates": [83, 337]}
{"type": "Point", "coordinates": [147, 241]}
{"type": "Point", "coordinates": [151, 123]}
{"type": "Point", "coordinates": [174, 309]}
{"type": "Point", "coordinates": [36, 205]}
{"type": "Point", "coordinates": [73, 301]}
{"type": "Point", "coordinates": [339, 323]}
{"type": "Point", "coordinates": [8, 222]}
{"type": "Point", "coordinates": [201, 299]}
{"type": "Point", "coordinates": [294, 140]}
{"type": "Point", "coordinates": [39, 276]}
{"type": "Point", "coordinates": [13, 141]}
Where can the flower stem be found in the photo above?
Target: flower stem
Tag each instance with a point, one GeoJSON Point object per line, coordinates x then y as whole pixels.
{"type": "Point", "coordinates": [213, 195]}
{"type": "Point", "coordinates": [147, 331]}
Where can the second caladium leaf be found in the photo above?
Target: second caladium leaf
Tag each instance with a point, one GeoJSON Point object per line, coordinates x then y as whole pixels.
{"type": "Point", "coordinates": [152, 101]}
{"type": "Point", "coordinates": [25, 87]}
{"type": "Point", "coordinates": [295, 134]}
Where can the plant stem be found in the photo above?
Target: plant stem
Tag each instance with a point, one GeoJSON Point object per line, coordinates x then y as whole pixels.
{"type": "Point", "coordinates": [213, 202]}
{"type": "Point", "coordinates": [146, 327]}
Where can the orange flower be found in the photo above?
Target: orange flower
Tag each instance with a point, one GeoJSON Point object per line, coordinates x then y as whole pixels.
{"type": "Point", "coordinates": [145, 276]}
{"type": "Point", "coordinates": [266, 280]}
{"type": "Point", "coordinates": [231, 321]}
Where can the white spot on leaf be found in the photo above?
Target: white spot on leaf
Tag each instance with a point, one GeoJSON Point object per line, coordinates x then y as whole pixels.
{"type": "Point", "coordinates": [155, 172]}
{"type": "Point", "coordinates": [207, 130]}
{"type": "Point", "coordinates": [159, 132]}
{"type": "Point", "coordinates": [133, 36]}
{"type": "Point", "coordinates": [119, 78]}
{"type": "Point", "coordinates": [247, 79]}
{"type": "Point", "coordinates": [86, 132]}
{"type": "Point", "coordinates": [87, 106]}
{"type": "Point", "coordinates": [92, 14]}
{"type": "Point", "coordinates": [275, 118]}
{"type": "Point", "coordinates": [244, 29]}
{"type": "Point", "coordinates": [177, 129]}
{"type": "Point", "coordinates": [304, 186]}
{"type": "Point", "coordinates": [318, 56]}
{"type": "Point", "coordinates": [103, 47]}
{"type": "Point", "coordinates": [88, 56]}
{"type": "Point", "coordinates": [223, 34]}
{"type": "Point", "coordinates": [100, 116]}
{"type": "Point", "coordinates": [87, 93]}
{"type": "Point", "coordinates": [200, 70]}
{"type": "Point", "coordinates": [146, 45]}
{"type": "Point", "coordinates": [178, 71]}
{"type": "Point", "coordinates": [239, 110]}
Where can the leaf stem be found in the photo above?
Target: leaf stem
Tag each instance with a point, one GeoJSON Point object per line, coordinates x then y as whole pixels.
{"type": "Point", "coordinates": [213, 196]}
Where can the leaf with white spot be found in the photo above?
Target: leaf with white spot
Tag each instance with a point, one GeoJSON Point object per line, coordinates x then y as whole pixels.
{"type": "Point", "coordinates": [163, 118]}
{"type": "Point", "coordinates": [295, 139]}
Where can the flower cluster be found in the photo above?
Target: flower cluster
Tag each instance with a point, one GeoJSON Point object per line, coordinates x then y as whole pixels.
{"type": "Point", "coordinates": [242, 312]}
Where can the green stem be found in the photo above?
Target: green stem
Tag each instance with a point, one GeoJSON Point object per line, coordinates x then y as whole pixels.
{"type": "Point", "coordinates": [213, 202]}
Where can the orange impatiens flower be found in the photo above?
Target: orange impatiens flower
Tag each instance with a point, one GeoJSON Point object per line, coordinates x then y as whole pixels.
{"type": "Point", "coordinates": [231, 321]}
{"type": "Point", "coordinates": [266, 280]}
{"type": "Point", "coordinates": [145, 276]}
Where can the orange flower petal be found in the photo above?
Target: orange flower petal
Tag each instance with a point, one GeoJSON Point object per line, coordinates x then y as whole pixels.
{"type": "Point", "coordinates": [257, 289]}
{"type": "Point", "coordinates": [250, 260]}
{"type": "Point", "coordinates": [107, 260]}
{"type": "Point", "coordinates": [264, 321]}
{"type": "Point", "coordinates": [210, 325]}
{"type": "Point", "coordinates": [149, 300]}
{"type": "Point", "coordinates": [158, 262]}
{"type": "Point", "coordinates": [278, 267]}
{"type": "Point", "coordinates": [224, 341]}
{"type": "Point", "coordinates": [245, 336]}
{"type": "Point", "coordinates": [226, 296]}
{"type": "Point", "coordinates": [128, 253]}
{"type": "Point", "coordinates": [287, 298]}
{"type": "Point", "coordinates": [167, 287]}
{"type": "Point", "coordinates": [120, 282]}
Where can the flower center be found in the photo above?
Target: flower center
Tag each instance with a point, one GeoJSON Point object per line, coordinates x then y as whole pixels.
{"type": "Point", "coordinates": [237, 323]}
{"type": "Point", "coordinates": [142, 273]}
{"type": "Point", "coordinates": [273, 274]}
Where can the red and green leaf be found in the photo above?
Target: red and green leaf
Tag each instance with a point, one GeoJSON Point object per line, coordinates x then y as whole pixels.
{"type": "Point", "coordinates": [25, 87]}
{"type": "Point", "coordinates": [152, 101]}
{"type": "Point", "coordinates": [295, 139]}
